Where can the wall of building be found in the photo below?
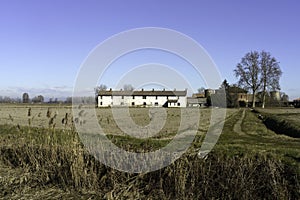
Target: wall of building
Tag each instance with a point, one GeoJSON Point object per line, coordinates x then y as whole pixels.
{"type": "Point", "coordinates": [148, 101]}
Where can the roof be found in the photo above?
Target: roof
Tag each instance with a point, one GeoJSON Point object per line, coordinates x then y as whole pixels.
{"type": "Point", "coordinates": [193, 100]}
{"type": "Point", "coordinates": [199, 95]}
{"type": "Point", "coordinates": [142, 93]}
{"type": "Point", "coordinates": [172, 100]}
{"type": "Point", "coordinates": [234, 89]}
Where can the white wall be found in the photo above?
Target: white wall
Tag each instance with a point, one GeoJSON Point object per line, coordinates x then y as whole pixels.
{"type": "Point", "coordinates": [105, 101]}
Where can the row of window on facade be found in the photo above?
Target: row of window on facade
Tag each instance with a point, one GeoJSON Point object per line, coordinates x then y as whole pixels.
{"type": "Point", "coordinates": [133, 97]}
{"type": "Point", "coordinates": [144, 103]}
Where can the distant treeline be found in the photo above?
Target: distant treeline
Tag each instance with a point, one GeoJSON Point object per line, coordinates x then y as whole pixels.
{"type": "Point", "coordinates": [41, 99]}
{"type": "Point", "coordinates": [6, 99]}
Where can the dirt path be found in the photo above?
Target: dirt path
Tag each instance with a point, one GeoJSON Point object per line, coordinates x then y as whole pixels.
{"type": "Point", "coordinates": [238, 125]}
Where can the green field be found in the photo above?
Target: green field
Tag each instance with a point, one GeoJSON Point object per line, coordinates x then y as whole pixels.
{"type": "Point", "coordinates": [42, 156]}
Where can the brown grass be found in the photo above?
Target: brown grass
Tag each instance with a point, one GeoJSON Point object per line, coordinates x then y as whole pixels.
{"type": "Point", "coordinates": [52, 157]}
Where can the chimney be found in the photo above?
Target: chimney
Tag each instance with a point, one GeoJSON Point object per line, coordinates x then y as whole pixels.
{"type": "Point", "coordinates": [142, 89]}
{"type": "Point", "coordinates": [110, 89]}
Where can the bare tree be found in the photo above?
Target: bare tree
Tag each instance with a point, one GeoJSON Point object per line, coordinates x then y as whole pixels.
{"type": "Point", "coordinates": [38, 99]}
{"type": "Point", "coordinates": [99, 88]}
{"type": "Point", "coordinates": [25, 97]}
{"type": "Point", "coordinates": [248, 72]}
{"type": "Point", "coordinates": [201, 90]}
{"type": "Point", "coordinates": [284, 98]}
{"type": "Point", "coordinates": [128, 87]}
{"type": "Point", "coordinates": [68, 100]}
{"type": "Point", "coordinates": [270, 74]}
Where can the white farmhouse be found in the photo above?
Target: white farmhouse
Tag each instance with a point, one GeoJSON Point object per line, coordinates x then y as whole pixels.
{"type": "Point", "coordinates": [142, 98]}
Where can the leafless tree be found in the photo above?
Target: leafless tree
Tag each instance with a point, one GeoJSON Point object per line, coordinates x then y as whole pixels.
{"type": "Point", "coordinates": [248, 71]}
{"type": "Point", "coordinates": [38, 99]}
{"type": "Point", "coordinates": [128, 87]}
{"type": "Point", "coordinates": [201, 90]}
{"type": "Point", "coordinates": [270, 74]}
{"type": "Point", "coordinates": [99, 88]}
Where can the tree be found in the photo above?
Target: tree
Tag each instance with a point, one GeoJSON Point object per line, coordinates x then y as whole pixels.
{"type": "Point", "coordinates": [68, 100]}
{"type": "Point", "coordinates": [38, 99]}
{"type": "Point", "coordinates": [225, 85]}
{"type": "Point", "coordinates": [270, 74]}
{"type": "Point", "coordinates": [128, 87]}
{"type": "Point", "coordinates": [201, 90]}
{"type": "Point", "coordinates": [284, 98]}
{"type": "Point", "coordinates": [25, 98]}
{"type": "Point", "coordinates": [248, 72]}
{"type": "Point", "coordinates": [259, 71]}
{"type": "Point", "coordinates": [99, 88]}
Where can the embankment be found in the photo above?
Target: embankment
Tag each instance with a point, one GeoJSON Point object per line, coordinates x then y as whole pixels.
{"type": "Point", "coordinates": [279, 124]}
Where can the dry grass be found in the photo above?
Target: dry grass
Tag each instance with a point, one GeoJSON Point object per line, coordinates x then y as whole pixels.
{"type": "Point", "coordinates": [51, 159]}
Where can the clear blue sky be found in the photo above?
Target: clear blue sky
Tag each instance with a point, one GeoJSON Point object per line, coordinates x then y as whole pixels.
{"type": "Point", "coordinates": [43, 43]}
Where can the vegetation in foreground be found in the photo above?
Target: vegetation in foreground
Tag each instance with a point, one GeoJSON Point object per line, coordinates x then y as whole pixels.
{"type": "Point", "coordinates": [253, 163]}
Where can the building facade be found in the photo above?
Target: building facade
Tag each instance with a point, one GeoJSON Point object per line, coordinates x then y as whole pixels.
{"type": "Point", "coordinates": [142, 98]}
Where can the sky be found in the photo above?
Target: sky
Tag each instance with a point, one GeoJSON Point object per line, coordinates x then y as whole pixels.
{"type": "Point", "coordinates": [43, 44]}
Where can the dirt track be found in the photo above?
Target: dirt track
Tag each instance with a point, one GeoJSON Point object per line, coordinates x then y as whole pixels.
{"type": "Point", "coordinates": [238, 126]}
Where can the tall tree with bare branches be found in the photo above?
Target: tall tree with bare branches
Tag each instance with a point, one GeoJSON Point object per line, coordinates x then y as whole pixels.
{"type": "Point", "coordinates": [270, 74]}
{"type": "Point", "coordinates": [248, 72]}
{"type": "Point", "coordinates": [128, 87]}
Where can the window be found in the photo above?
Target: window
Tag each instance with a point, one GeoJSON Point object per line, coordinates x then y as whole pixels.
{"type": "Point", "coordinates": [156, 103]}
{"type": "Point", "coordinates": [111, 97]}
{"type": "Point", "coordinates": [156, 97]}
{"type": "Point", "coordinates": [132, 103]}
{"type": "Point", "coordinates": [144, 103]}
{"type": "Point", "coordinates": [122, 97]}
{"type": "Point", "coordinates": [100, 97]}
{"type": "Point", "coordinates": [178, 104]}
{"type": "Point", "coordinates": [122, 103]}
{"type": "Point", "coordinates": [133, 97]}
{"type": "Point", "coordinates": [144, 97]}
{"type": "Point", "coordinates": [101, 103]}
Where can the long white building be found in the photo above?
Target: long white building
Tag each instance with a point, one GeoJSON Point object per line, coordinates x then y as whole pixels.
{"type": "Point", "coordinates": [142, 98]}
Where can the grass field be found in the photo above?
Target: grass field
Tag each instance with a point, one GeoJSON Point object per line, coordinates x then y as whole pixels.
{"type": "Point", "coordinates": [43, 157]}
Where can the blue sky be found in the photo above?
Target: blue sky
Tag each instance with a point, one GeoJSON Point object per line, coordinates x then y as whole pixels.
{"type": "Point", "coordinates": [44, 43]}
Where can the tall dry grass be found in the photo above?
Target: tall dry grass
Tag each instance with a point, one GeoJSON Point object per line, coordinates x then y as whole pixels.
{"type": "Point", "coordinates": [57, 157]}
